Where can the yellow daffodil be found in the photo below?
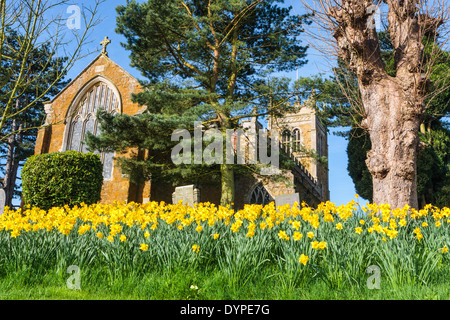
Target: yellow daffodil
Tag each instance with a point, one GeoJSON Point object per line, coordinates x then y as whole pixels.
{"type": "Point", "coordinates": [318, 245]}
{"type": "Point", "coordinates": [283, 235]}
{"type": "Point", "coordinates": [296, 225]}
{"type": "Point", "coordinates": [303, 259]}
{"type": "Point", "coordinates": [419, 236]}
{"type": "Point", "coordinates": [322, 245]}
{"type": "Point", "coordinates": [83, 229]}
{"type": "Point", "coordinates": [297, 236]}
{"type": "Point", "coordinates": [15, 233]}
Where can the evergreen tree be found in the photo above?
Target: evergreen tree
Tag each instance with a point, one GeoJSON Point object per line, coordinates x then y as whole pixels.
{"type": "Point", "coordinates": [21, 129]}
{"type": "Point", "coordinates": [204, 61]}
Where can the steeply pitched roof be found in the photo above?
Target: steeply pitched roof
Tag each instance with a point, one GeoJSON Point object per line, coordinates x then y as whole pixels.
{"type": "Point", "coordinates": [84, 70]}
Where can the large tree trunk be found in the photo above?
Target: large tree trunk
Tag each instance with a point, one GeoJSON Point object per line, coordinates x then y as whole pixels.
{"type": "Point", "coordinates": [393, 106]}
{"type": "Point", "coordinates": [393, 126]}
{"type": "Point", "coordinates": [12, 164]}
{"type": "Point", "coordinates": [227, 175]}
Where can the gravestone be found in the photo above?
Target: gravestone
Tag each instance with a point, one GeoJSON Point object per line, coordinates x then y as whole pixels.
{"type": "Point", "coordinates": [287, 199]}
{"type": "Point", "coordinates": [2, 200]}
{"type": "Point", "coordinates": [188, 194]}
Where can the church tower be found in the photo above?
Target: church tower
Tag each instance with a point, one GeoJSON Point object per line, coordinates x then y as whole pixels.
{"type": "Point", "coordinates": [300, 132]}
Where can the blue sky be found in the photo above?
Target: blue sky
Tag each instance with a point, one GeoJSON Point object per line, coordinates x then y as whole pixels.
{"type": "Point", "coordinates": [341, 185]}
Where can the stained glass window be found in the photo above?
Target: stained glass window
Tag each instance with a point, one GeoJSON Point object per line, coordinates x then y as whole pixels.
{"type": "Point", "coordinates": [89, 127]}
{"type": "Point", "coordinates": [99, 95]}
{"type": "Point", "coordinates": [77, 128]}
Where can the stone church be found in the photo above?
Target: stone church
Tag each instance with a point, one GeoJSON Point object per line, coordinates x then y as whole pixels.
{"type": "Point", "coordinates": [71, 113]}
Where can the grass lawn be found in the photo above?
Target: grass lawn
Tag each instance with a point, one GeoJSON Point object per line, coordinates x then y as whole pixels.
{"type": "Point", "coordinates": [169, 252]}
{"type": "Point", "coordinates": [211, 284]}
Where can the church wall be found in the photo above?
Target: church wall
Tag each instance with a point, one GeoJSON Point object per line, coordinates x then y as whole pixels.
{"type": "Point", "coordinates": [52, 139]}
{"type": "Point", "coordinates": [119, 188]}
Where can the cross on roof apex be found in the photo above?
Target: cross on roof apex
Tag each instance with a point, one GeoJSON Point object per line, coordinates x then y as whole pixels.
{"type": "Point", "coordinates": [105, 43]}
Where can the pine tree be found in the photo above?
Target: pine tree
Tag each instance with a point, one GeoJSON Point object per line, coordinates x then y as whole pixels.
{"type": "Point", "coordinates": [208, 61]}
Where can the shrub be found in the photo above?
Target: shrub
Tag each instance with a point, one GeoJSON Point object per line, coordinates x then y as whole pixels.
{"type": "Point", "coordinates": [62, 178]}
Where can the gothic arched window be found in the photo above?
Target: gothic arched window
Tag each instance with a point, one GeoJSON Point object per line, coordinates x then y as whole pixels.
{"type": "Point", "coordinates": [297, 140]}
{"type": "Point", "coordinates": [286, 140]}
{"type": "Point", "coordinates": [83, 119]}
{"type": "Point", "coordinates": [260, 196]}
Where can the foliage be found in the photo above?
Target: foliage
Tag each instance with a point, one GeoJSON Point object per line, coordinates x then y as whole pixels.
{"type": "Point", "coordinates": [433, 165]}
{"type": "Point", "coordinates": [31, 48]}
{"type": "Point", "coordinates": [297, 247]}
{"type": "Point", "coordinates": [62, 178]}
{"type": "Point", "coordinates": [357, 149]}
{"type": "Point", "coordinates": [22, 128]}
{"type": "Point", "coordinates": [339, 103]}
{"type": "Point", "coordinates": [203, 61]}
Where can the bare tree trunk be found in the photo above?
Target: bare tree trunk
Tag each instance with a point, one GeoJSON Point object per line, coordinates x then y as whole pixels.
{"type": "Point", "coordinates": [13, 157]}
{"type": "Point", "coordinates": [393, 106]}
{"type": "Point", "coordinates": [393, 126]}
{"type": "Point", "coordinates": [12, 164]}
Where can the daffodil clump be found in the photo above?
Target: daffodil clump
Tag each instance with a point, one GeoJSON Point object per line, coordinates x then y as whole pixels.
{"type": "Point", "coordinates": [338, 242]}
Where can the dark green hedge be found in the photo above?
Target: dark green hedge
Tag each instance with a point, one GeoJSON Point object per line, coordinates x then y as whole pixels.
{"type": "Point", "coordinates": [62, 178]}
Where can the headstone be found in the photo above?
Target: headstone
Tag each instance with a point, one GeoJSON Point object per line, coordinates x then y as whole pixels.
{"type": "Point", "coordinates": [188, 194]}
{"type": "Point", "coordinates": [287, 199]}
{"type": "Point", "coordinates": [2, 200]}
